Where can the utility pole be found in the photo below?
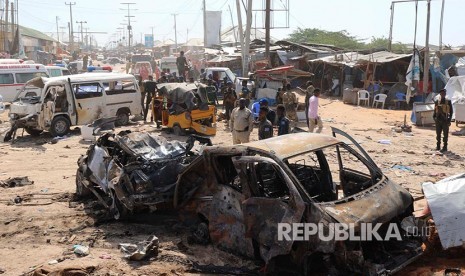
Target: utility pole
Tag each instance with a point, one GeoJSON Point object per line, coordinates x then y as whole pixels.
{"type": "Point", "coordinates": [232, 22]}
{"type": "Point", "coordinates": [58, 34]}
{"type": "Point", "coordinates": [7, 23]}
{"type": "Point", "coordinates": [62, 32]}
{"type": "Point", "coordinates": [267, 30]}
{"type": "Point", "coordinates": [129, 24]}
{"type": "Point", "coordinates": [245, 65]}
{"type": "Point", "coordinates": [71, 37]}
{"type": "Point", "coordinates": [426, 65]}
{"type": "Point", "coordinates": [241, 33]}
{"type": "Point", "coordinates": [205, 24]}
{"type": "Point", "coordinates": [440, 27]}
{"type": "Point", "coordinates": [175, 33]}
{"type": "Point", "coordinates": [82, 30]}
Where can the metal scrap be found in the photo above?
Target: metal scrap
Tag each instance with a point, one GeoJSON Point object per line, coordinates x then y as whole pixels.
{"type": "Point", "coordinates": [140, 251]}
{"type": "Point", "coordinates": [16, 182]}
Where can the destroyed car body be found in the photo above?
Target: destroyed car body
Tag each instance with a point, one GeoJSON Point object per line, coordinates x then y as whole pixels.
{"type": "Point", "coordinates": [244, 191]}
{"type": "Point", "coordinates": [132, 171]}
{"type": "Point", "coordinates": [56, 104]}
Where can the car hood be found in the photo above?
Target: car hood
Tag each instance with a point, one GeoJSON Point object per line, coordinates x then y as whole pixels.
{"type": "Point", "coordinates": [378, 204]}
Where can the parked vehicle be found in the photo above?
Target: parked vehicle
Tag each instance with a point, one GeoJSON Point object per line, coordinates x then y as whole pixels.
{"type": "Point", "coordinates": [55, 104]}
{"type": "Point", "coordinates": [142, 68]}
{"type": "Point", "coordinates": [180, 113]}
{"type": "Point", "coordinates": [57, 71]}
{"type": "Point", "coordinates": [113, 61]}
{"type": "Point", "coordinates": [14, 76]}
{"type": "Point", "coordinates": [140, 57]}
{"type": "Point", "coordinates": [100, 57]}
{"type": "Point", "coordinates": [168, 65]}
{"type": "Point", "coordinates": [76, 67]}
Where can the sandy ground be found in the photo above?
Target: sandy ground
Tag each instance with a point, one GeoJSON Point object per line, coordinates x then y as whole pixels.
{"type": "Point", "coordinates": [49, 221]}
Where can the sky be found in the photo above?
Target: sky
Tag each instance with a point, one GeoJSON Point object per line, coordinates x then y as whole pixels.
{"type": "Point", "coordinates": [361, 18]}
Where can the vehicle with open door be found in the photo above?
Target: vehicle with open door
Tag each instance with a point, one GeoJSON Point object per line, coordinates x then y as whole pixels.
{"type": "Point", "coordinates": [183, 107]}
{"type": "Point", "coordinates": [244, 192]}
{"type": "Point", "coordinates": [55, 104]}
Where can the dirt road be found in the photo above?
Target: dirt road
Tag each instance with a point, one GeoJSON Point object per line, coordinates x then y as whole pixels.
{"type": "Point", "coordinates": [48, 222]}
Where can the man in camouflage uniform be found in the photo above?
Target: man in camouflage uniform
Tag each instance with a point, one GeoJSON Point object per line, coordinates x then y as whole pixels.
{"type": "Point", "coordinates": [442, 115]}
{"type": "Point", "coordinates": [290, 104]}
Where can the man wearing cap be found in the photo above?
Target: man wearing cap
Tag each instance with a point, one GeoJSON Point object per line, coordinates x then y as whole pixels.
{"type": "Point", "coordinates": [290, 103]}
{"type": "Point", "coordinates": [271, 115]}
{"type": "Point", "coordinates": [265, 129]}
{"type": "Point", "coordinates": [442, 115]}
{"type": "Point", "coordinates": [229, 100]}
{"type": "Point", "coordinates": [241, 123]}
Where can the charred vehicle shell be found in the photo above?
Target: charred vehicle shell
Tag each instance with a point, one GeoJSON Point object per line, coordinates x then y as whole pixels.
{"type": "Point", "coordinates": [131, 171]}
{"type": "Point", "coordinates": [244, 192]}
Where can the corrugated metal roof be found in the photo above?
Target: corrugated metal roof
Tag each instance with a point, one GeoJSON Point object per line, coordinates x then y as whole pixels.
{"type": "Point", "coordinates": [25, 31]}
{"type": "Point", "coordinates": [353, 59]}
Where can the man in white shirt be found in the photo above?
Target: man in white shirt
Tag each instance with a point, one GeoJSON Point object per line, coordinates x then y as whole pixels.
{"type": "Point", "coordinates": [313, 118]}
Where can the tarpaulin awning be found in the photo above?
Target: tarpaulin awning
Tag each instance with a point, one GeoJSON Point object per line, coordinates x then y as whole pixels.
{"type": "Point", "coordinates": [352, 59]}
{"type": "Point", "coordinates": [288, 70]}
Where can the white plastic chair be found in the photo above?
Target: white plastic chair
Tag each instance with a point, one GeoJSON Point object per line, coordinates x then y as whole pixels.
{"type": "Point", "coordinates": [2, 105]}
{"type": "Point", "coordinates": [363, 95]}
{"type": "Point", "coordinates": [380, 98]}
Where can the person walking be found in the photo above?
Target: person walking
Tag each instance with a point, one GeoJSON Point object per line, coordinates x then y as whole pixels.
{"type": "Point", "coordinates": [150, 87]}
{"type": "Point", "coordinates": [229, 100]}
{"type": "Point", "coordinates": [283, 121]}
{"type": "Point", "coordinates": [442, 115]}
{"type": "Point", "coordinates": [241, 123]}
{"type": "Point", "coordinates": [265, 128]}
{"type": "Point", "coordinates": [313, 117]}
{"type": "Point", "coordinates": [290, 103]}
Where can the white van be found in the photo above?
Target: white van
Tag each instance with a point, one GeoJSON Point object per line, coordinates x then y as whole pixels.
{"type": "Point", "coordinates": [14, 76]}
{"type": "Point", "coordinates": [168, 64]}
{"type": "Point", "coordinates": [74, 100]}
{"type": "Point", "coordinates": [57, 71]}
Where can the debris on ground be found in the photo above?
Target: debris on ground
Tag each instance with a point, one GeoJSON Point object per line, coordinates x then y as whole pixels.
{"type": "Point", "coordinates": [403, 168]}
{"type": "Point", "coordinates": [141, 250]}
{"type": "Point", "coordinates": [70, 270]}
{"type": "Point", "coordinates": [16, 182]}
{"type": "Point", "coordinates": [384, 142]}
{"type": "Point", "coordinates": [81, 250]}
{"type": "Point", "coordinates": [222, 270]}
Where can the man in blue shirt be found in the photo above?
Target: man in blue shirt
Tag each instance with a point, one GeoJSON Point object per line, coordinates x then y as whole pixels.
{"type": "Point", "coordinates": [283, 121]}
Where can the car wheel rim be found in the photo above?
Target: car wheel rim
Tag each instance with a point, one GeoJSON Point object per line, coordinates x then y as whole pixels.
{"type": "Point", "coordinates": [60, 126]}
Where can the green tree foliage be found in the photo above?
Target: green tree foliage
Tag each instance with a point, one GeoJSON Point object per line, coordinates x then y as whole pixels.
{"type": "Point", "coordinates": [340, 39]}
{"type": "Point", "coordinates": [343, 39]}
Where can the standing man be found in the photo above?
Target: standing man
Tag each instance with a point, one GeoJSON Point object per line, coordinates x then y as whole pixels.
{"type": "Point", "coordinates": [308, 94]}
{"type": "Point", "coordinates": [271, 115]}
{"type": "Point", "coordinates": [313, 118]}
{"type": "Point", "coordinates": [241, 123]}
{"type": "Point", "coordinates": [150, 87]}
{"type": "Point", "coordinates": [85, 61]}
{"type": "Point", "coordinates": [290, 103]}
{"type": "Point", "coordinates": [283, 121]}
{"type": "Point", "coordinates": [142, 92]}
{"type": "Point", "coordinates": [181, 63]}
{"type": "Point", "coordinates": [265, 129]}
{"type": "Point", "coordinates": [245, 93]}
{"type": "Point", "coordinates": [229, 100]}
{"type": "Point", "coordinates": [442, 115]}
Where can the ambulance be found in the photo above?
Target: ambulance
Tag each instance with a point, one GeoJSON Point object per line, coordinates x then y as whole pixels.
{"type": "Point", "coordinates": [14, 76]}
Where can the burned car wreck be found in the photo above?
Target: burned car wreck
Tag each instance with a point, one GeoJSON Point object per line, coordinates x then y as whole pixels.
{"type": "Point", "coordinates": [245, 192]}
{"type": "Point", "coordinates": [242, 195]}
{"type": "Point", "coordinates": [133, 170]}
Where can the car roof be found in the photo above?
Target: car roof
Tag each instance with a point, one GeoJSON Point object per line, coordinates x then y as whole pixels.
{"type": "Point", "coordinates": [289, 145]}
{"type": "Point", "coordinates": [217, 68]}
{"type": "Point", "coordinates": [88, 77]}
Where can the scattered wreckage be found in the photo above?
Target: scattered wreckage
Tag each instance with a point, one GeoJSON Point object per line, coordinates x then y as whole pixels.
{"type": "Point", "coordinates": [242, 193]}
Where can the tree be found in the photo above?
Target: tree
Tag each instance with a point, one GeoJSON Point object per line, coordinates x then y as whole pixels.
{"type": "Point", "coordinates": [383, 42]}
{"type": "Point", "coordinates": [340, 39]}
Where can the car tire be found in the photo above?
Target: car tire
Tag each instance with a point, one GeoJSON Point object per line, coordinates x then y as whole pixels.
{"type": "Point", "coordinates": [60, 126]}
{"type": "Point", "coordinates": [123, 118]}
{"type": "Point", "coordinates": [32, 131]}
{"type": "Point", "coordinates": [81, 190]}
{"type": "Point", "coordinates": [177, 130]}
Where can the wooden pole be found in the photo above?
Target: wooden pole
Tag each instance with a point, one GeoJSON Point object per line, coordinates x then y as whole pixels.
{"type": "Point", "coordinates": [426, 65]}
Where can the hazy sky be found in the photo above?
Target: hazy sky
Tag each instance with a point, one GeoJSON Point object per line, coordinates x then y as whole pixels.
{"type": "Point", "coordinates": [362, 18]}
